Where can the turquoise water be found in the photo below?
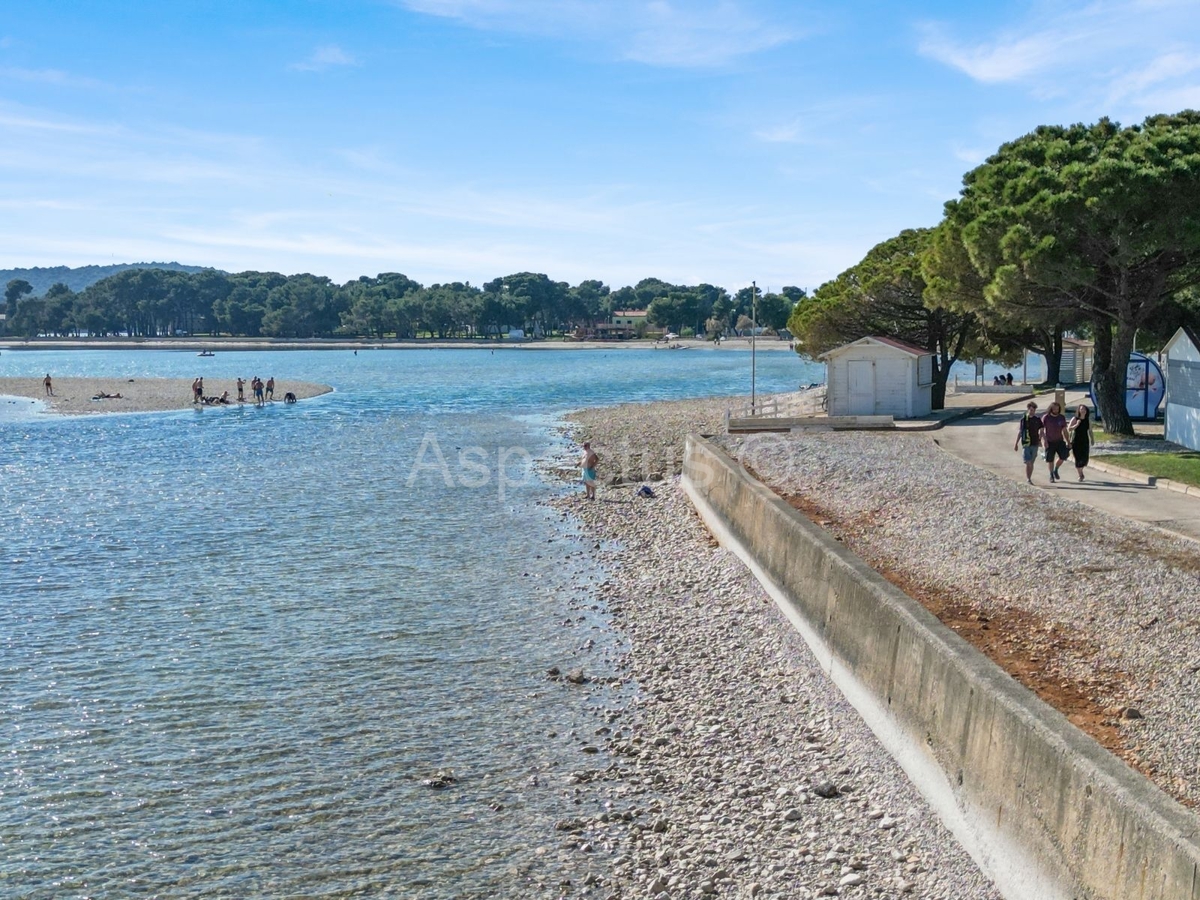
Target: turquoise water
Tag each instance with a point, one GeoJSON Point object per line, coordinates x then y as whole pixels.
{"type": "Point", "coordinates": [234, 644]}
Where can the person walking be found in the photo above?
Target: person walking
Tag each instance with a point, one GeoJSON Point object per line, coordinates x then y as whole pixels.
{"type": "Point", "coordinates": [48, 385]}
{"type": "Point", "coordinates": [1029, 438]}
{"type": "Point", "coordinates": [1054, 430]}
{"type": "Point", "coordinates": [588, 464]}
{"type": "Point", "coordinates": [1080, 432]}
{"type": "Point", "coordinates": [271, 388]}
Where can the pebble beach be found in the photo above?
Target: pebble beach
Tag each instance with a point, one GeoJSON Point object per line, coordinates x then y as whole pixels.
{"type": "Point", "coordinates": [78, 396]}
{"type": "Point", "coordinates": [734, 768]}
{"type": "Point", "coordinates": [1096, 614]}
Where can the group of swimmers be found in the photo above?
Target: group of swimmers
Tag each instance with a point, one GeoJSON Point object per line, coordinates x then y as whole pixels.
{"type": "Point", "coordinates": [262, 391]}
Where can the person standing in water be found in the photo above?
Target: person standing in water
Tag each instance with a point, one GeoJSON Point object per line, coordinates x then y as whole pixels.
{"type": "Point", "coordinates": [588, 464]}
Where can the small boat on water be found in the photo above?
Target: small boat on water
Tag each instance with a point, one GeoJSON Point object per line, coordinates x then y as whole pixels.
{"type": "Point", "coordinates": [206, 353]}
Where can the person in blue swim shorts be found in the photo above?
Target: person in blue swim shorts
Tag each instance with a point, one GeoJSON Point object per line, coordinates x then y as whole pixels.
{"type": "Point", "coordinates": [588, 465]}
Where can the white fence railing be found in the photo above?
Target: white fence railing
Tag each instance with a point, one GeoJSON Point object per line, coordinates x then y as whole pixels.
{"type": "Point", "coordinates": [808, 401]}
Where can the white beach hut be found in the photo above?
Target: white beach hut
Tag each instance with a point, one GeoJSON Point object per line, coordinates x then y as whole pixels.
{"type": "Point", "coordinates": [879, 376]}
{"type": "Point", "coordinates": [1182, 422]}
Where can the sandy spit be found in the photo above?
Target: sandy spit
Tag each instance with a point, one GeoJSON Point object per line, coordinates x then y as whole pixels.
{"type": "Point", "coordinates": [74, 396]}
{"type": "Point", "coordinates": [725, 763]}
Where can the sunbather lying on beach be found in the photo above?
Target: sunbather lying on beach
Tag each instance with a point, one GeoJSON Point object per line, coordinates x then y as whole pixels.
{"type": "Point", "coordinates": [104, 396]}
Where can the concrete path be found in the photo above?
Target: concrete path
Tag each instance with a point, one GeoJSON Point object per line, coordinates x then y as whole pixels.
{"type": "Point", "coordinates": [986, 440]}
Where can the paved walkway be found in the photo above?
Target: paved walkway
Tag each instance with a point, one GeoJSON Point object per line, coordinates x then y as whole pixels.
{"type": "Point", "coordinates": [986, 440]}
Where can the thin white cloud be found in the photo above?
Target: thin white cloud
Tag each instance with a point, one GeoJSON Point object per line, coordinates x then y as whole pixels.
{"type": "Point", "coordinates": [49, 76]}
{"type": "Point", "coordinates": [1166, 68]}
{"type": "Point", "coordinates": [242, 202]}
{"type": "Point", "coordinates": [675, 34]}
{"type": "Point", "coordinates": [786, 133]}
{"type": "Point", "coordinates": [1117, 55]}
{"type": "Point", "coordinates": [972, 156]}
{"type": "Point", "coordinates": [1006, 59]}
{"type": "Point", "coordinates": [21, 121]}
{"type": "Point", "coordinates": [666, 33]}
{"type": "Point", "coordinates": [325, 57]}
{"type": "Point", "coordinates": [1174, 100]}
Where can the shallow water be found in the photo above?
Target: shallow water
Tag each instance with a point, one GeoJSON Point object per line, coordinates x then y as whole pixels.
{"type": "Point", "coordinates": [235, 643]}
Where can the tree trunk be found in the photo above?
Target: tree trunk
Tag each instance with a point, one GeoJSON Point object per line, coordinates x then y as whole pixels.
{"type": "Point", "coordinates": [1053, 354]}
{"type": "Point", "coordinates": [937, 391]}
{"type": "Point", "coordinates": [1109, 370]}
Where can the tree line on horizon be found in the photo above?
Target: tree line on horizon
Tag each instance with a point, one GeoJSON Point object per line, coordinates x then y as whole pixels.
{"type": "Point", "coordinates": [150, 302]}
{"type": "Point", "coordinates": [1091, 231]}
{"type": "Point", "coordinates": [41, 278]}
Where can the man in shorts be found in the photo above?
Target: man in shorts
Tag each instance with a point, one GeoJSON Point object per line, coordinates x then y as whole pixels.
{"type": "Point", "coordinates": [587, 464]}
{"type": "Point", "coordinates": [1029, 438]}
{"type": "Point", "coordinates": [1054, 428]}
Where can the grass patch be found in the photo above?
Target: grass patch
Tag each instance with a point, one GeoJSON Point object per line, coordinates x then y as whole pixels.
{"type": "Point", "coordinates": [1102, 436]}
{"type": "Point", "coordinates": [1183, 467]}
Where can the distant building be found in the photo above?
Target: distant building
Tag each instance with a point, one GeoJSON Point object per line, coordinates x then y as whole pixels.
{"type": "Point", "coordinates": [607, 331]}
{"type": "Point", "coordinates": [1182, 418]}
{"type": "Point", "coordinates": [631, 317]}
{"type": "Point", "coordinates": [1076, 365]}
{"type": "Point", "coordinates": [879, 376]}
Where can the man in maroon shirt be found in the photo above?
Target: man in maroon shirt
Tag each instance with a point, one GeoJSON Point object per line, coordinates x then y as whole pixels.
{"type": "Point", "coordinates": [1054, 427]}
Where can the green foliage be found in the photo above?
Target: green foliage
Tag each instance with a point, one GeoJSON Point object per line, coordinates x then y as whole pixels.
{"type": "Point", "coordinates": [774, 310]}
{"type": "Point", "coordinates": [14, 291]}
{"type": "Point", "coordinates": [884, 295]}
{"type": "Point", "coordinates": [146, 302]}
{"type": "Point", "coordinates": [1021, 319]}
{"type": "Point", "coordinates": [379, 306]}
{"type": "Point", "coordinates": [677, 306]}
{"type": "Point", "coordinates": [1096, 222]}
{"type": "Point", "coordinates": [303, 306]}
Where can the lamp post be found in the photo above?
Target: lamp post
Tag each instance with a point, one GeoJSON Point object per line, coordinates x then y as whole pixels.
{"type": "Point", "coordinates": [753, 345]}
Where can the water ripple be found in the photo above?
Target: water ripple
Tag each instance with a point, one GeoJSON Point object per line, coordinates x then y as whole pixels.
{"type": "Point", "coordinates": [233, 646]}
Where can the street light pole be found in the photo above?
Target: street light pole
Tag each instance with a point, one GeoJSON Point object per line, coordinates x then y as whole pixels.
{"type": "Point", "coordinates": [753, 345]}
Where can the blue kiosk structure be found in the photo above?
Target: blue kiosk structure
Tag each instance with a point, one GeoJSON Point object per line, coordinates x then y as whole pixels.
{"type": "Point", "coordinates": [1145, 389]}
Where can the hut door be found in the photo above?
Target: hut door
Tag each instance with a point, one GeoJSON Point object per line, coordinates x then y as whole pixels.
{"type": "Point", "coordinates": [862, 387]}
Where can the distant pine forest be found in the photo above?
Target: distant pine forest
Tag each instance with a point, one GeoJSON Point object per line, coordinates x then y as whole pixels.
{"type": "Point", "coordinates": [165, 300]}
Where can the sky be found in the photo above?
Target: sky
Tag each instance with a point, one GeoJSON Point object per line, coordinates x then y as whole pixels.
{"type": "Point", "coordinates": [719, 141]}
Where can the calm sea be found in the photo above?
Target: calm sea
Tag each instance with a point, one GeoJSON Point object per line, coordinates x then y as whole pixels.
{"type": "Point", "coordinates": [236, 643]}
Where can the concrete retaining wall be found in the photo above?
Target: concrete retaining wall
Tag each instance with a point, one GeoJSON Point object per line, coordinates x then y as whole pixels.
{"type": "Point", "coordinates": [1045, 810]}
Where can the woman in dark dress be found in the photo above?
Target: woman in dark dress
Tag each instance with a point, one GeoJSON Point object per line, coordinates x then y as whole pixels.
{"type": "Point", "coordinates": [1080, 430]}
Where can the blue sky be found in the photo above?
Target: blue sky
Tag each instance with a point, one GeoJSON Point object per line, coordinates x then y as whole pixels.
{"type": "Point", "coordinates": [699, 141]}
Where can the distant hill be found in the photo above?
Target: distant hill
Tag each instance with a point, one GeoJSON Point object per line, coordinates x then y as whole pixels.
{"type": "Point", "coordinates": [84, 276]}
